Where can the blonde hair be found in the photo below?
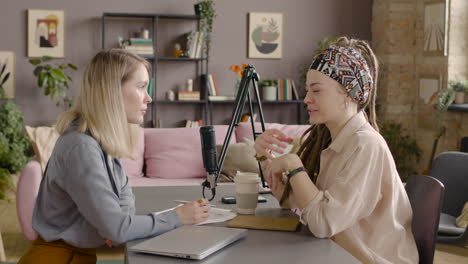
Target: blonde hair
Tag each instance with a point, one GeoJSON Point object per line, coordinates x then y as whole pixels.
{"type": "Point", "coordinates": [100, 107]}
{"type": "Point", "coordinates": [319, 137]}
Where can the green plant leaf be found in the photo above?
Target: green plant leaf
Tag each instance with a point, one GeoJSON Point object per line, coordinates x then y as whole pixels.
{"type": "Point", "coordinates": [37, 70]}
{"type": "Point", "coordinates": [42, 79]}
{"type": "Point", "coordinates": [5, 79]}
{"type": "Point", "coordinates": [46, 58]}
{"type": "Point", "coordinates": [3, 69]}
{"type": "Point", "coordinates": [72, 66]}
{"type": "Point", "coordinates": [51, 82]}
{"type": "Point", "coordinates": [58, 74]}
{"type": "Point", "coordinates": [35, 62]}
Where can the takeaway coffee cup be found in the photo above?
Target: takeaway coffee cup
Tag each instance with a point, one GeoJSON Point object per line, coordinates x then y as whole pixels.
{"type": "Point", "coordinates": [246, 192]}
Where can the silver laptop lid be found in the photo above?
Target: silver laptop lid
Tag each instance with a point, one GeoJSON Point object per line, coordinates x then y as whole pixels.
{"type": "Point", "coordinates": [190, 241]}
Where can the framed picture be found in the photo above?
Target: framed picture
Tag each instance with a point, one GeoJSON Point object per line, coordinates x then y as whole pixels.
{"type": "Point", "coordinates": [436, 27]}
{"type": "Point", "coordinates": [265, 35]}
{"type": "Point", "coordinates": [7, 60]}
{"type": "Point", "coordinates": [46, 33]}
{"type": "Point", "coordinates": [429, 86]}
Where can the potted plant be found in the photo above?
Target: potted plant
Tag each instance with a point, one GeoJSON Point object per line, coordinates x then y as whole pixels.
{"type": "Point", "coordinates": [460, 88]}
{"type": "Point", "coordinates": [206, 10]}
{"type": "Point", "coordinates": [404, 148]}
{"type": "Point", "coordinates": [54, 78]}
{"type": "Point", "coordinates": [269, 89]}
{"type": "Point", "coordinates": [441, 102]}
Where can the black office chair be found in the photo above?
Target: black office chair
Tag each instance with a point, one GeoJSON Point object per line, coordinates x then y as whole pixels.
{"type": "Point", "coordinates": [425, 195]}
{"type": "Point", "coordinates": [451, 168]}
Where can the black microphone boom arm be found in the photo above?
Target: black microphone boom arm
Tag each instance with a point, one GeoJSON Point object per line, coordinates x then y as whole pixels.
{"type": "Point", "coordinates": [243, 96]}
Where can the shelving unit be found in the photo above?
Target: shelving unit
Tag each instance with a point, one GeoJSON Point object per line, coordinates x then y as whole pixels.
{"type": "Point", "coordinates": [200, 63]}
{"type": "Point", "coordinates": [206, 108]}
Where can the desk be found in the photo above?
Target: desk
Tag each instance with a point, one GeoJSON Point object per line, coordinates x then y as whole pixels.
{"type": "Point", "coordinates": [258, 247]}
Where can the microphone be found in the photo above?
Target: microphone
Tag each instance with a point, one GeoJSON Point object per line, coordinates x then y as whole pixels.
{"type": "Point", "coordinates": [208, 143]}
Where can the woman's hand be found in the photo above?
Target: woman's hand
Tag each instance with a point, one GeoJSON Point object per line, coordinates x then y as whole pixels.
{"type": "Point", "coordinates": [193, 212]}
{"type": "Point", "coordinates": [271, 140]}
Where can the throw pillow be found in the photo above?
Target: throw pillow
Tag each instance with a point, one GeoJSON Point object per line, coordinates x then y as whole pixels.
{"type": "Point", "coordinates": [134, 167]}
{"type": "Point", "coordinates": [43, 141]}
{"type": "Point", "coordinates": [176, 152]}
{"type": "Point", "coordinates": [239, 157]}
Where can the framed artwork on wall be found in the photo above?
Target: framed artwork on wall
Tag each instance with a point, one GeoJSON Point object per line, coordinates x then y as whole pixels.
{"type": "Point", "coordinates": [46, 33]}
{"type": "Point", "coordinates": [7, 73]}
{"type": "Point", "coordinates": [429, 87]}
{"type": "Point", "coordinates": [265, 35]}
{"type": "Point", "coordinates": [436, 27]}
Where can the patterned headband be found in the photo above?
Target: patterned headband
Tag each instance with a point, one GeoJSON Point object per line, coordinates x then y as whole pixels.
{"type": "Point", "coordinates": [347, 67]}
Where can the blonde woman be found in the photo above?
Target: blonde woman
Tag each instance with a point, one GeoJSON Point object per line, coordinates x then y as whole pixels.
{"type": "Point", "coordinates": [343, 179]}
{"type": "Point", "coordinates": [84, 199]}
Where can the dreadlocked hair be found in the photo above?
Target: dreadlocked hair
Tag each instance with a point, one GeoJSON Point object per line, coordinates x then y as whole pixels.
{"type": "Point", "coordinates": [319, 137]}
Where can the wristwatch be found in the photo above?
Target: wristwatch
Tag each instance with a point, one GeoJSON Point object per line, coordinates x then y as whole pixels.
{"type": "Point", "coordinates": [287, 175]}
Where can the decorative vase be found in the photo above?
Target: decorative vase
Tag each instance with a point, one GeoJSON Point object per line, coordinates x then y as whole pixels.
{"type": "Point", "coordinates": [460, 97]}
{"type": "Point", "coordinates": [237, 86]}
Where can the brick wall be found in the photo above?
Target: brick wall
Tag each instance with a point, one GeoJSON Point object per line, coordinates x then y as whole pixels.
{"type": "Point", "coordinates": [397, 39]}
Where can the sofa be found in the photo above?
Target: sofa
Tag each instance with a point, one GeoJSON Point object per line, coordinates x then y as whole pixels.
{"type": "Point", "coordinates": [164, 157]}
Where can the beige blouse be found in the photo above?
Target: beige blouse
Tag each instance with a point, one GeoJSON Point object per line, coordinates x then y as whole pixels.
{"type": "Point", "coordinates": [362, 204]}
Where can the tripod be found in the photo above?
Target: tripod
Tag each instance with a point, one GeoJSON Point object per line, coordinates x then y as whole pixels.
{"type": "Point", "coordinates": [243, 95]}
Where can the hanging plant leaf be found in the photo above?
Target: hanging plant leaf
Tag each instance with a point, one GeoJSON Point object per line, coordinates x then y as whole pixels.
{"type": "Point", "coordinates": [42, 79]}
{"type": "Point", "coordinates": [5, 79]}
{"type": "Point", "coordinates": [38, 70]}
{"type": "Point", "coordinates": [72, 66]}
{"type": "Point", "coordinates": [35, 62]}
{"type": "Point", "coordinates": [58, 74]}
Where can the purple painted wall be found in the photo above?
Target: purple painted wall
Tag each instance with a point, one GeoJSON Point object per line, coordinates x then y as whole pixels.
{"type": "Point", "coordinates": [304, 22]}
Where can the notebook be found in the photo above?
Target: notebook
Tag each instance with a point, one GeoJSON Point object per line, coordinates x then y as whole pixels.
{"type": "Point", "coordinates": [190, 241]}
{"type": "Point", "coordinates": [265, 223]}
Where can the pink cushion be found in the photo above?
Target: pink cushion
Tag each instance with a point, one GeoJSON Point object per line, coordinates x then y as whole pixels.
{"type": "Point", "coordinates": [176, 152]}
{"type": "Point", "coordinates": [244, 130]}
{"type": "Point", "coordinates": [26, 195]}
{"type": "Point", "coordinates": [134, 167]}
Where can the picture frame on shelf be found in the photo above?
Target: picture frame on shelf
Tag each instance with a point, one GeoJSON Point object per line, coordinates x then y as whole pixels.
{"type": "Point", "coordinates": [46, 33]}
{"type": "Point", "coordinates": [436, 15]}
{"type": "Point", "coordinates": [7, 58]}
{"type": "Point", "coordinates": [265, 35]}
{"type": "Point", "coordinates": [429, 87]}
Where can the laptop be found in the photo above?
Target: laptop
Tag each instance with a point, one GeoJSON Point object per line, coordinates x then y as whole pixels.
{"type": "Point", "coordinates": [190, 241]}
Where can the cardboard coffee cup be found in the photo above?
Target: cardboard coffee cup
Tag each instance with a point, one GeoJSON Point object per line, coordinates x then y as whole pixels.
{"type": "Point", "coordinates": [247, 185]}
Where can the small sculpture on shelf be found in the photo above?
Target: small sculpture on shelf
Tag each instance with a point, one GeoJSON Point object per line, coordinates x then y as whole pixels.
{"type": "Point", "coordinates": [177, 52]}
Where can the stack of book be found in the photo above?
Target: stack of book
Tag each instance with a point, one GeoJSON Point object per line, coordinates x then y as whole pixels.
{"type": "Point", "coordinates": [287, 90]}
{"type": "Point", "coordinates": [193, 123]}
{"type": "Point", "coordinates": [194, 46]}
{"type": "Point", "coordinates": [140, 46]}
{"type": "Point", "coordinates": [188, 96]}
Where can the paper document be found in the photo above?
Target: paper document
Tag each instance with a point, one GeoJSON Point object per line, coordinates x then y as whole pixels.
{"type": "Point", "coordinates": [217, 215]}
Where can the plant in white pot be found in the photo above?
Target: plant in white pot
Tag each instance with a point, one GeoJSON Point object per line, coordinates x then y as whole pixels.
{"type": "Point", "coordinates": [269, 89]}
{"type": "Point", "coordinates": [460, 88]}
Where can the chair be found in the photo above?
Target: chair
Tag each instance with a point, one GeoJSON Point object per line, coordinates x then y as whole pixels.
{"type": "Point", "coordinates": [425, 195]}
{"type": "Point", "coordinates": [451, 168]}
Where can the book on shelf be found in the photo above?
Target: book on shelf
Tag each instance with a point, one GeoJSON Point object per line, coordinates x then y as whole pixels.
{"type": "Point", "coordinates": [150, 87]}
{"type": "Point", "coordinates": [221, 98]}
{"type": "Point", "coordinates": [193, 123]}
{"type": "Point", "coordinates": [157, 123]}
{"type": "Point", "coordinates": [286, 90]}
{"type": "Point", "coordinates": [140, 41]}
{"type": "Point", "coordinates": [188, 95]}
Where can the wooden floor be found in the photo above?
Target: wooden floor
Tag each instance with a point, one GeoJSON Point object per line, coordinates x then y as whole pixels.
{"type": "Point", "coordinates": [16, 244]}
